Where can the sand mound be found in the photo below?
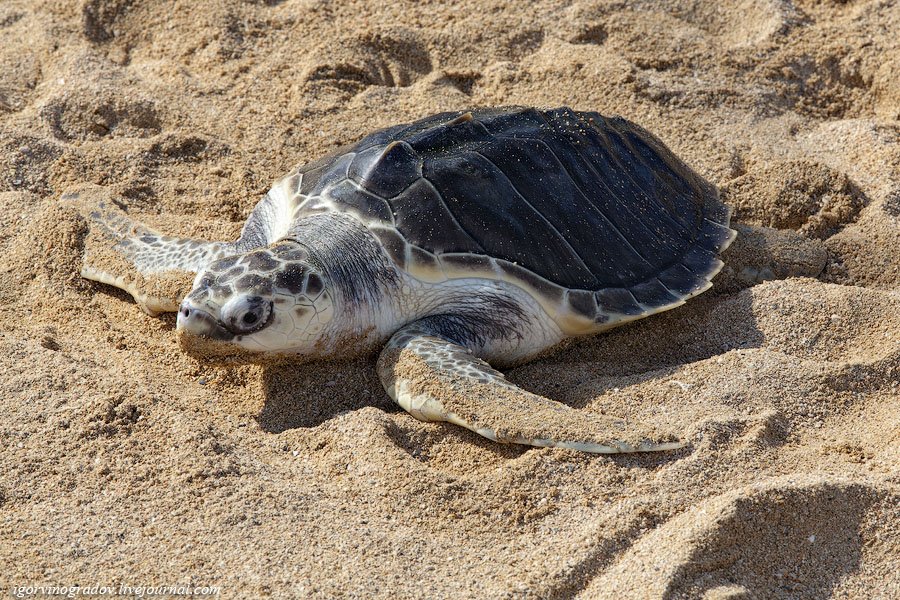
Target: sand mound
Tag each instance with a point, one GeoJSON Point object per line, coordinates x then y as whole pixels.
{"type": "Point", "coordinates": [786, 537]}
{"type": "Point", "coordinates": [127, 462]}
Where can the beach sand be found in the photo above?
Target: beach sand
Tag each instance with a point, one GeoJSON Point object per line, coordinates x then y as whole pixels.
{"type": "Point", "coordinates": [124, 461]}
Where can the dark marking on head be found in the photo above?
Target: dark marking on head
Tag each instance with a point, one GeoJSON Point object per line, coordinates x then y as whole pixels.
{"type": "Point", "coordinates": [232, 274]}
{"type": "Point", "coordinates": [291, 278]}
{"type": "Point", "coordinates": [220, 290]}
{"type": "Point", "coordinates": [302, 311]}
{"type": "Point", "coordinates": [253, 283]}
{"type": "Point", "coordinates": [314, 285]}
{"type": "Point", "coordinates": [199, 296]}
{"type": "Point", "coordinates": [297, 255]}
{"type": "Point", "coordinates": [261, 261]}
{"type": "Point", "coordinates": [289, 251]}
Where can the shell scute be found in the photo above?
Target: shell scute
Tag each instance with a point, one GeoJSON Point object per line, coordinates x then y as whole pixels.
{"type": "Point", "coordinates": [423, 217]}
{"type": "Point", "coordinates": [425, 266]}
{"type": "Point", "coordinates": [464, 264]}
{"type": "Point", "coordinates": [653, 293]}
{"type": "Point", "coordinates": [513, 122]}
{"type": "Point", "coordinates": [365, 204]}
{"type": "Point", "coordinates": [551, 292]}
{"type": "Point", "coordinates": [325, 175]}
{"type": "Point", "coordinates": [393, 243]}
{"type": "Point", "coordinates": [451, 137]}
{"type": "Point", "coordinates": [487, 201]}
{"type": "Point", "coordinates": [714, 237]}
{"type": "Point", "coordinates": [582, 302]}
{"type": "Point", "coordinates": [680, 280]}
{"type": "Point", "coordinates": [386, 170]}
{"type": "Point", "coordinates": [618, 301]}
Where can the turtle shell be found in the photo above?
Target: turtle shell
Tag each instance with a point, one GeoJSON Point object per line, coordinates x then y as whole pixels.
{"type": "Point", "coordinates": [593, 215]}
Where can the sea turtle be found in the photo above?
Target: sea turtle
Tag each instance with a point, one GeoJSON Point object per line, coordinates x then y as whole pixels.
{"type": "Point", "coordinates": [454, 243]}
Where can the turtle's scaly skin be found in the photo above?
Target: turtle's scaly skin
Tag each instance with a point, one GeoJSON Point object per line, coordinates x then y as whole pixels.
{"type": "Point", "coordinates": [450, 243]}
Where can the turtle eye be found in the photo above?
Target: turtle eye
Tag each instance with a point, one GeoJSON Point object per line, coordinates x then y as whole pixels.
{"type": "Point", "coordinates": [246, 314]}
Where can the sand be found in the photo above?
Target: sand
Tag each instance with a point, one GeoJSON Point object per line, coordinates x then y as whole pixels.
{"type": "Point", "coordinates": [124, 461]}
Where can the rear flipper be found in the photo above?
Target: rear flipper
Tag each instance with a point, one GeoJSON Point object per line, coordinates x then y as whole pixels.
{"type": "Point", "coordinates": [435, 379]}
{"type": "Point", "coordinates": [156, 270]}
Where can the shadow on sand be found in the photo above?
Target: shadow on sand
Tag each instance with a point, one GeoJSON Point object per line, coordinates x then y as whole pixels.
{"type": "Point", "coordinates": [306, 395]}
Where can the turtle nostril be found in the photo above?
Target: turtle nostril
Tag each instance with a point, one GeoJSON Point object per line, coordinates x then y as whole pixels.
{"type": "Point", "coordinates": [185, 312]}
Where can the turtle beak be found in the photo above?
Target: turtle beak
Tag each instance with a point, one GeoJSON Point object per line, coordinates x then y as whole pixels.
{"type": "Point", "coordinates": [206, 339]}
{"type": "Point", "coordinates": [197, 322]}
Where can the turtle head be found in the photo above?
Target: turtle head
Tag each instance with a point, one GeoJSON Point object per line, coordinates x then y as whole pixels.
{"type": "Point", "coordinates": [270, 302]}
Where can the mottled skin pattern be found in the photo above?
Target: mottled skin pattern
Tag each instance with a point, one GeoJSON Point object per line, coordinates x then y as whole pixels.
{"type": "Point", "coordinates": [322, 271]}
{"type": "Point", "coordinates": [249, 291]}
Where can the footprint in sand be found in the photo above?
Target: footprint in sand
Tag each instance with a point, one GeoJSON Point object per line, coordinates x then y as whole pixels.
{"type": "Point", "coordinates": [334, 73]}
{"type": "Point", "coordinates": [86, 113]}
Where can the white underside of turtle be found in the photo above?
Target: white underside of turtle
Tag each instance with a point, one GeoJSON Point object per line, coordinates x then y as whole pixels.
{"type": "Point", "coordinates": [448, 245]}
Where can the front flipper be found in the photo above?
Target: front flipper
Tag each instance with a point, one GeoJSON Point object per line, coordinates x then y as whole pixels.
{"type": "Point", "coordinates": [435, 379]}
{"type": "Point", "coordinates": [156, 270]}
